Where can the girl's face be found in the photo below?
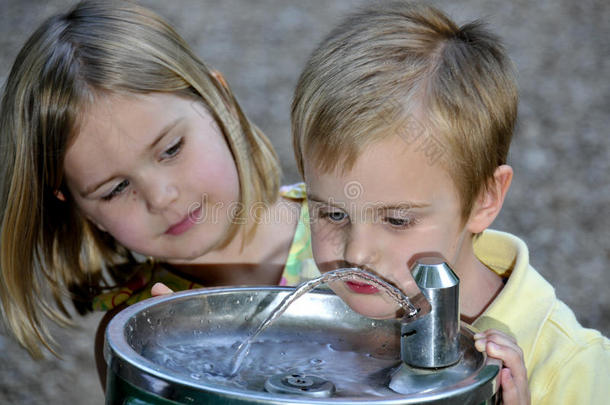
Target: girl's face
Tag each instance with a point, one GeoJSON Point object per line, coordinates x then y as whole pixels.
{"type": "Point", "coordinates": [156, 173]}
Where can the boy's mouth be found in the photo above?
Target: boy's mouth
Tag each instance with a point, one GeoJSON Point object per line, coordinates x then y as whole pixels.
{"type": "Point", "coordinates": [184, 225]}
{"type": "Point", "coordinates": [361, 288]}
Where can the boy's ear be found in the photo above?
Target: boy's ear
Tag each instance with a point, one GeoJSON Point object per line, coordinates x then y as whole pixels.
{"type": "Point", "coordinates": [490, 200]}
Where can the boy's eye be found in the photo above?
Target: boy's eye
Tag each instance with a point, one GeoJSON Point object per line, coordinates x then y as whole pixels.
{"type": "Point", "coordinates": [334, 216]}
{"type": "Point", "coordinates": [116, 191]}
{"type": "Point", "coordinates": [399, 222]}
{"type": "Point", "coordinates": [173, 150]}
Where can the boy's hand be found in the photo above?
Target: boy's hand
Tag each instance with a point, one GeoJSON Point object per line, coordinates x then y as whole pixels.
{"type": "Point", "coordinates": [160, 289]}
{"type": "Point", "coordinates": [513, 376]}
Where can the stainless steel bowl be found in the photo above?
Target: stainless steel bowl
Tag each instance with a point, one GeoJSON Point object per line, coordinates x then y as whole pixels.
{"type": "Point", "coordinates": [142, 369]}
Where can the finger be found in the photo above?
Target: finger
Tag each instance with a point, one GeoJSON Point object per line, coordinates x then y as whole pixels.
{"type": "Point", "coordinates": [509, 388]}
{"type": "Point", "coordinates": [511, 356]}
{"type": "Point", "coordinates": [513, 393]}
{"type": "Point", "coordinates": [507, 343]}
{"type": "Point", "coordinates": [481, 339]}
{"type": "Point", "coordinates": [160, 289]}
{"type": "Point", "coordinates": [510, 395]}
{"type": "Point", "coordinates": [497, 335]}
{"type": "Point", "coordinates": [481, 343]}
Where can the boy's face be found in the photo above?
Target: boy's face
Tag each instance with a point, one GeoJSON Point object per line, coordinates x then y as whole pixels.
{"type": "Point", "coordinates": [391, 205]}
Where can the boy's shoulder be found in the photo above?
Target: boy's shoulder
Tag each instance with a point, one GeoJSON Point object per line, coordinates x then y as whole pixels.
{"type": "Point", "coordinates": [563, 328]}
{"type": "Point", "coordinates": [570, 363]}
{"type": "Point", "coordinates": [565, 361]}
{"type": "Point", "coordinates": [527, 304]}
{"type": "Point", "coordinates": [563, 335]}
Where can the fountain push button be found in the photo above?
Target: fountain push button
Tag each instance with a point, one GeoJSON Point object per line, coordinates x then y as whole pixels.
{"type": "Point", "coordinates": [432, 341]}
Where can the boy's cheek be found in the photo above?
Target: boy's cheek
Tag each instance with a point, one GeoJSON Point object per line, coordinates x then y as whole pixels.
{"type": "Point", "coordinates": [327, 248]}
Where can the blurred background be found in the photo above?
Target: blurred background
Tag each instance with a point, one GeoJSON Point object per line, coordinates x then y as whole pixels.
{"type": "Point", "coordinates": [559, 202]}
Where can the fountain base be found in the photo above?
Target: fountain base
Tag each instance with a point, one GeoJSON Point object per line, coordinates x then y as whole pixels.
{"type": "Point", "coordinates": [409, 380]}
{"type": "Point", "coordinates": [176, 350]}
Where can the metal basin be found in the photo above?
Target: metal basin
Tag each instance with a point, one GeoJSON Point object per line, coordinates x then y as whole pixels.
{"type": "Point", "coordinates": [178, 349]}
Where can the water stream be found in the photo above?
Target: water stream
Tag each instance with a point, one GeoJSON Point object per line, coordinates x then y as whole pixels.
{"type": "Point", "coordinates": [340, 274]}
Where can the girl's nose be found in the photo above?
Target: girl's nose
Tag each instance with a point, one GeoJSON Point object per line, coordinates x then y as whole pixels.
{"type": "Point", "coordinates": [160, 196]}
{"type": "Point", "coordinates": [360, 247]}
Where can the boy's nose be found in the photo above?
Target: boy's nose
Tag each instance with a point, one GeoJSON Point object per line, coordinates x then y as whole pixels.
{"type": "Point", "coordinates": [360, 247]}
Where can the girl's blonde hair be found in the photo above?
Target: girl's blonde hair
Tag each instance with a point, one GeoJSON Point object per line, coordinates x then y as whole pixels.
{"type": "Point", "coordinates": [406, 69]}
{"type": "Point", "coordinates": [49, 251]}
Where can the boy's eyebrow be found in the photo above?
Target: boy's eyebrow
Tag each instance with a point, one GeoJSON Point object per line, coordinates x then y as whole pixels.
{"type": "Point", "coordinates": [167, 129]}
{"type": "Point", "coordinates": [378, 206]}
{"type": "Point", "coordinates": [314, 198]}
{"type": "Point", "coordinates": [402, 206]}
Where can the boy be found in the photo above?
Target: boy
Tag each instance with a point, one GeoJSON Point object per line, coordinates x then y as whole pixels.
{"type": "Point", "coordinates": [402, 123]}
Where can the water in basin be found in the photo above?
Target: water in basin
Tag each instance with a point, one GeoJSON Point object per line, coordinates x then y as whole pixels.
{"type": "Point", "coordinates": [353, 372]}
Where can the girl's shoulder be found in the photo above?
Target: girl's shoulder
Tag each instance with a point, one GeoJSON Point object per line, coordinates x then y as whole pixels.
{"type": "Point", "coordinates": [296, 191]}
{"type": "Point", "coordinates": [300, 265]}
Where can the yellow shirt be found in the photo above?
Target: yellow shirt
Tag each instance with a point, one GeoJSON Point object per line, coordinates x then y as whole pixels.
{"type": "Point", "coordinates": [566, 363]}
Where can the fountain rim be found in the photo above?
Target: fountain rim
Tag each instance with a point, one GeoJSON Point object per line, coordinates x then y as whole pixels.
{"type": "Point", "coordinates": [124, 360]}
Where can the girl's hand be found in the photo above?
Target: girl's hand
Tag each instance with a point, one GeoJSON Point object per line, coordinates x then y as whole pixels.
{"type": "Point", "coordinates": [160, 289]}
{"type": "Point", "coordinates": [513, 376]}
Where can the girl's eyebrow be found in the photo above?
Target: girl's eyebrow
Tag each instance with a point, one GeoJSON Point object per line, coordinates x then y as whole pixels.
{"type": "Point", "coordinates": [166, 130]}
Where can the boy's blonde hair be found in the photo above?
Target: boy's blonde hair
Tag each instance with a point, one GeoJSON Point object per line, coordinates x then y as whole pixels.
{"type": "Point", "coordinates": [97, 48]}
{"type": "Point", "coordinates": [406, 69]}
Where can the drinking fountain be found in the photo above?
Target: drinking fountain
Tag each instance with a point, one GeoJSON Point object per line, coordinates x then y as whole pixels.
{"type": "Point", "coordinates": [180, 349]}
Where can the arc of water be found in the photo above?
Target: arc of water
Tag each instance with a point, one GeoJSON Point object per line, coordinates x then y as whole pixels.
{"type": "Point", "coordinates": [335, 275]}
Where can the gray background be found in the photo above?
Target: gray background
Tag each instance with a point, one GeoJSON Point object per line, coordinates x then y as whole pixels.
{"type": "Point", "coordinates": [559, 199]}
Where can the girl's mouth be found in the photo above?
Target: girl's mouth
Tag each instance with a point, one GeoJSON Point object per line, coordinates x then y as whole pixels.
{"type": "Point", "coordinates": [361, 288]}
{"type": "Point", "coordinates": [184, 225]}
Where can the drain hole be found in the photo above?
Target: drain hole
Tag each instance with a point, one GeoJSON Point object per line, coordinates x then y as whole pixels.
{"type": "Point", "coordinates": [300, 384]}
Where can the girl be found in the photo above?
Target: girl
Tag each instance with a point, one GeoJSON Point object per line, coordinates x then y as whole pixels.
{"type": "Point", "coordinates": [127, 161]}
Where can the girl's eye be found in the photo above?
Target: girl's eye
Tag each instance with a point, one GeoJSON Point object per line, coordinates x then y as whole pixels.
{"type": "Point", "coordinates": [116, 191]}
{"type": "Point", "coordinates": [173, 150]}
